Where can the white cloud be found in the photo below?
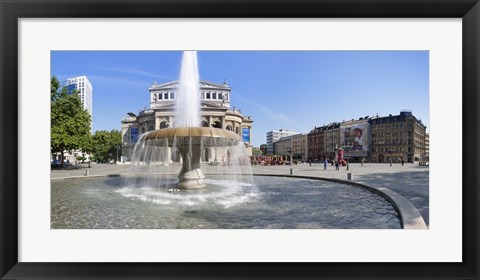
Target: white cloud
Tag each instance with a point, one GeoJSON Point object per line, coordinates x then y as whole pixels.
{"type": "Point", "coordinates": [115, 80]}
{"type": "Point", "coordinates": [273, 115]}
{"type": "Point", "coordinates": [133, 71]}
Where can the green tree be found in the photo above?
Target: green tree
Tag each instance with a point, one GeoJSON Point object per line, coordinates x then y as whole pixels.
{"type": "Point", "coordinates": [257, 151]}
{"type": "Point", "coordinates": [69, 122]}
{"type": "Point", "coordinates": [107, 145]}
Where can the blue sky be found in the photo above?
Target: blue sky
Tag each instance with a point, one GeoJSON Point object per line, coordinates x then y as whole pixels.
{"type": "Point", "coordinates": [294, 90]}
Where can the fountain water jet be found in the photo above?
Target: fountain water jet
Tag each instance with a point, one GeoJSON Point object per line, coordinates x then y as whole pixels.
{"type": "Point", "coordinates": [186, 135]}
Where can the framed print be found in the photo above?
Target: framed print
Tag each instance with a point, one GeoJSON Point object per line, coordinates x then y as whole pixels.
{"type": "Point", "coordinates": [131, 209]}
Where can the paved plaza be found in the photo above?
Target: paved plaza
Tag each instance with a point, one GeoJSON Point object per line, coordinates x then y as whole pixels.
{"type": "Point", "coordinates": [411, 180]}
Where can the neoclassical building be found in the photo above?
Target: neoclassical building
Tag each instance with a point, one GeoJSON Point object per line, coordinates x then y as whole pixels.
{"type": "Point", "coordinates": [216, 111]}
{"type": "Point", "coordinates": [398, 137]}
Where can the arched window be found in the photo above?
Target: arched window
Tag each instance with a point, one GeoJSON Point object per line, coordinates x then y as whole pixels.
{"type": "Point", "coordinates": [143, 129]}
{"type": "Point", "coordinates": [151, 127]}
{"type": "Point", "coordinates": [217, 124]}
{"type": "Point", "coordinates": [204, 123]}
{"type": "Point", "coordinates": [164, 124]}
{"type": "Point", "coordinates": [229, 128]}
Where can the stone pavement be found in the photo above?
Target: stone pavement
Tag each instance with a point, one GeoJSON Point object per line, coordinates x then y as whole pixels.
{"type": "Point", "coordinates": [411, 180]}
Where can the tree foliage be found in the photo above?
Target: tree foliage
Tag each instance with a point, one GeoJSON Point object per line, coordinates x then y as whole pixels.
{"type": "Point", "coordinates": [106, 145]}
{"type": "Point", "coordinates": [257, 151]}
{"type": "Point", "coordinates": [69, 122]}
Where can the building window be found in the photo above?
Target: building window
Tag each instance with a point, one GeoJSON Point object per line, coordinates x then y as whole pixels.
{"type": "Point", "coordinates": [150, 128]}
{"type": "Point", "coordinates": [172, 95]}
{"type": "Point", "coordinates": [214, 95]}
{"type": "Point", "coordinates": [220, 95]}
{"type": "Point", "coordinates": [164, 124]}
{"type": "Point", "coordinates": [229, 128]}
{"type": "Point", "coordinates": [208, 95]}
{"type": "Point", "coordinates": [217, 124]}
{"type": "Point", "coordinates": [143, 129]}
{"type": "Point", "coordinates": [160, 96]}
{"type": "Point", "coordinates": [165, 95]}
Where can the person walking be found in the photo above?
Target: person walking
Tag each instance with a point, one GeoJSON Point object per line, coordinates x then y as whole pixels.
{"type": "Point", "coordinates": [325, 162]}
{"type": "Point", "coordinates": [310, 161]}
{"type": "Point", "coordinates": [403, 161]}
{"type": "Point", "coordinates": [336, 165]}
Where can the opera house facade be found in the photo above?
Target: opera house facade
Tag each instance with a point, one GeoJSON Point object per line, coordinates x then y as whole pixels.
{"type": "Point", "coordinates": [216, 111]}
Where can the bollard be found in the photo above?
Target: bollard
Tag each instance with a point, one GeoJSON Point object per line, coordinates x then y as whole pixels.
{"type": "Point", "coordinates": [349, 176]}
{"type": "Point", "coordinates": [87, 172]}
{"type": "Point", "coordinates": [291, 171]}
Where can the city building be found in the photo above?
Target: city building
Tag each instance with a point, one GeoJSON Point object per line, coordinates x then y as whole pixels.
{"type": "Point", "coordinates": [427, 148]}
{"type": "Point", "coordinates": [316, 142]}
{"type": "Point", "coordinates": [293, 145]}
{"type": "Point", "coordinates": [274, 136]}
{"type": "Point", "coordinates": [331, 141]}
{"type": "Point", "coordinates": [283, 146]}
{"type": "Point", "coordinates": [216, 111]}
{"type": "Point", "coordinates": [84, 89]}
{"type": "Point", "coordinates": [355, 139]}
{"type": "Point", "coordinates": [398, 137]}
{"type": "Point", "coordinates": [300, 146]}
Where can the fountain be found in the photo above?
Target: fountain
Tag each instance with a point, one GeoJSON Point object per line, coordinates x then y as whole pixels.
{"type": "Point", "coordinates": [177, 157]}
{"type": "Point", "coordinates": [187, 136]}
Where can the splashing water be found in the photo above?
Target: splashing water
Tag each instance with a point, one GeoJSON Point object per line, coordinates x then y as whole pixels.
{"type": "Point", "coordinates": [187, 149]}
{"type": "Point", "coordinates": [187, 111]}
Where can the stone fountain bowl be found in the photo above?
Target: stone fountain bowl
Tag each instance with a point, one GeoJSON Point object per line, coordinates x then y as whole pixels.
{"type": "Point", "coordinates": [208, 136]}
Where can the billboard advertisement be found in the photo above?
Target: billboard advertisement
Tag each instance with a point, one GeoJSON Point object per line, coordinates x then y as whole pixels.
{"type": "Point", "coordinates": [245, 134]}
{"type": "Point", "coordinates": [356, 137]}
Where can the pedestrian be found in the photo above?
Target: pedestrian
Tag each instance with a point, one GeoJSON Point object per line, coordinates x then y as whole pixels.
{"type": "Point", "coordinates": [325, 162]}
{"type": "Point", "coordinates": [336, 165]}
{"type": "Point", "coordinates": [310, 161]}
{"type": "Point", "coordinates": [403, 161]}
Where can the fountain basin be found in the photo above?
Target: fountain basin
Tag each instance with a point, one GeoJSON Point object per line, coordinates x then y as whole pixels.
{"type": "Point", "coordinates": [208, 136]}
{"type": "Point", "coordinates": [270, 203]}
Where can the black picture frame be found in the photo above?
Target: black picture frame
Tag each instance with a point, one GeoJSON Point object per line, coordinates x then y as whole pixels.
{"type": "Point", "coordinates": [11, 11]}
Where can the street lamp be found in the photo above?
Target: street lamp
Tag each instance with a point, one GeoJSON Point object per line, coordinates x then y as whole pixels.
{"type": "Point", "coordinates": [334, 151]}
{"type": "Point", "coordinates": [290, 150]}
{"type": "Point", "coordinates": [390, 151]}
{"type": "Point", "coordinates": [347, 148]}
{"type": "Point", "coordinates": [118, 148]}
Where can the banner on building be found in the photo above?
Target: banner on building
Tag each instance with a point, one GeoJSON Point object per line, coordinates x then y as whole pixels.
{"type": "Point", "coordinates": [133, 135]}
{"type": "Point", "coordinates": [246, 134]}
{"type": "Point", "coordinates": [356, 138]}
